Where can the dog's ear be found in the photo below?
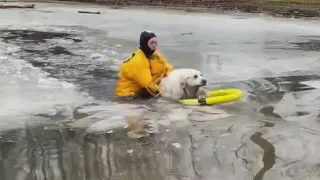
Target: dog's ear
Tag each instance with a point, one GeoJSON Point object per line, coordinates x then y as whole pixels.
{"type": "Point", "coordinates": [183, 82]}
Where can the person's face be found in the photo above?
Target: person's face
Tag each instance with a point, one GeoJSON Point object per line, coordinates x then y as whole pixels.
{"type": "Point", "coordinates": [152, 43]}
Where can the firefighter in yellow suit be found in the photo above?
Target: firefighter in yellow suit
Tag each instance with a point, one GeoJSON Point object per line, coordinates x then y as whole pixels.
{"type": "Point", "coordinates": [140, 74]}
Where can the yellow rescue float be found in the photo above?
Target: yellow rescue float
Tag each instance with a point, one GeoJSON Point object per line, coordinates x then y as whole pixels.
{"type": "Point", "coordinates": [215, 97]}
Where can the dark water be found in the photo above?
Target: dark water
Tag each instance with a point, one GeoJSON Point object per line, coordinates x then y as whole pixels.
{"type": "Point", "coordinates": [96, 78]}
{"type": "Point", "coordinates": [57, 151]}
{"type": "Point", "coordinates": [268, 156]}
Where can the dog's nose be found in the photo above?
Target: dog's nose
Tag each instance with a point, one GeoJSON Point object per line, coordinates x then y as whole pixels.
{"type": "Point", "coordinates": [204, 82]}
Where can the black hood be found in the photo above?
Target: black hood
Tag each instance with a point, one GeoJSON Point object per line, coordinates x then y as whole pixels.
{"type": "Point", "coordinates": [144, 38]}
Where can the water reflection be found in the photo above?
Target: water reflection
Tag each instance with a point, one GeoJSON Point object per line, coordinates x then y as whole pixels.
{"type": "Point", "coordinates": [49, 154]}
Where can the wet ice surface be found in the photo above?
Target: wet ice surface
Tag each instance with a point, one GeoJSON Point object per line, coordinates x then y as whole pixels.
{"type": "Point", "coordinates": [58, 118]}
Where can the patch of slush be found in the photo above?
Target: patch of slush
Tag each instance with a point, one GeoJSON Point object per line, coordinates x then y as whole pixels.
{"type": "Point", "coordinates": [105, 117]}
{"type": "Point", "coordinates": [26, 90]}
{"type": "Point", "coordinates": [315, 84]}
{"type": "Point", "coordinates": [292, 103]}
{"type": "Point", "coordinates": [111, 116]}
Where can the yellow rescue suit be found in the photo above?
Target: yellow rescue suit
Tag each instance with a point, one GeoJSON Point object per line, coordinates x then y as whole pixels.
{"type": "Point", "coordinates": [138, 72]}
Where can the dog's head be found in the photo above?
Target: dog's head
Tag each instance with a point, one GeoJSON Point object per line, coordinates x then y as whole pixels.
{"type": "Point", "coordinates": [193, 78]}
{"type": "Point", "coordinates": [191, 81]}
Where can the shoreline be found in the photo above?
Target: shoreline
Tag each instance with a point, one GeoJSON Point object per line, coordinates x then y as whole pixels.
{"type": "Point", "coordinates": [274, 8]}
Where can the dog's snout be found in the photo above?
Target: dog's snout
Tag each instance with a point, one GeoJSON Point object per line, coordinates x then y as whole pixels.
{"type": "Point", "coordinates": [204, 82]}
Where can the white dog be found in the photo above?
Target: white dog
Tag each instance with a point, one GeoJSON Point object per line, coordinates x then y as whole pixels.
{"type": "Point", "coordinates": [183, 84]}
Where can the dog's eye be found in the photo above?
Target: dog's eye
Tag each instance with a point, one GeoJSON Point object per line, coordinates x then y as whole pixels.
{"type": "Point", "coordinates": [195, 76]}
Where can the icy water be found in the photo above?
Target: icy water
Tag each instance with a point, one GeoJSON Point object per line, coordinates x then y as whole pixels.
{"type": "Point", "coordinates": [59, 118]}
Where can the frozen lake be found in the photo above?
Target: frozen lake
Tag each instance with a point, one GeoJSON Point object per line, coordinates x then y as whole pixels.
{"type": "Point", "coordinates": [58, 119]}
